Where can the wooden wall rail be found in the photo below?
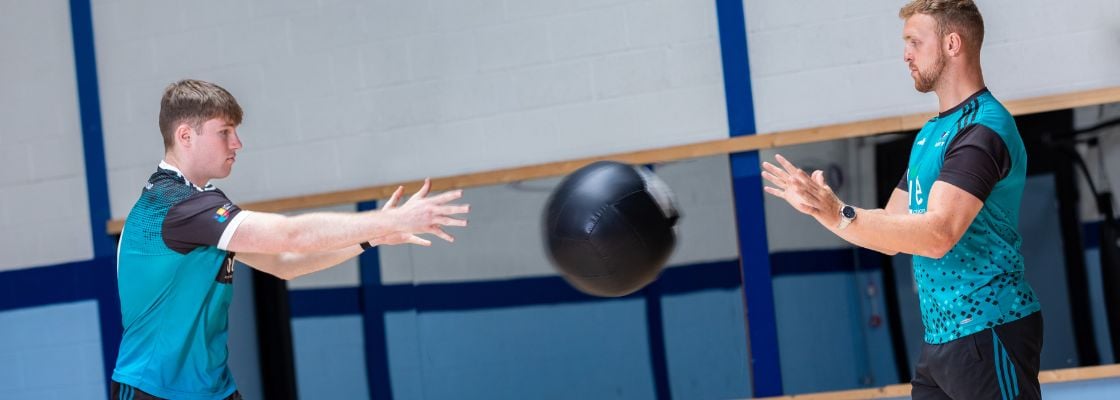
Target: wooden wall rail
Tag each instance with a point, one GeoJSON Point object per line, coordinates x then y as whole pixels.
{"type": "Point", "coordinates": [673, 153]}
{"type": "Point", "coordinates": [903, 390]}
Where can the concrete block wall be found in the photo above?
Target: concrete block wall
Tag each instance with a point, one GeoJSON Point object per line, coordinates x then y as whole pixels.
{"type": "Point", "coordinates": [351, 93]}
{"type": "Point", "coordinates": [822, 62]}
{"type": "Point", "coordinates": [44, 217]}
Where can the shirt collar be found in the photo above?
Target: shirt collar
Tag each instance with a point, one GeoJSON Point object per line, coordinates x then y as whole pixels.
{"type": "Point", "coordinates": [164, 165]}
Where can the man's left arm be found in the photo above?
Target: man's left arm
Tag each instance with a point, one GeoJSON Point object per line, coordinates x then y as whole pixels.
{"type": "Point", "coordinates": [975, 161]}
{"type": "Point", "coordinates": [932, 234]}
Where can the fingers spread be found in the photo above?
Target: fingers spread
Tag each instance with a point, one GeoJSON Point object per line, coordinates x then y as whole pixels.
{"type": "Point", "coordinates": [774, 170]}
{"type": "Point", "coordinates": [773, 191]}
{"type": "Point", "coordinates": [445, 221]}
{"type": "Point", "coordinates": [419, 241]}
{"type": "Point", "coordinates": [394, 198]}
{"type": "Point", "coordinates": [423, 192]}
{"type": "Point", "coordinates": [447, 196]}
{"type": "Point", "coordinates": [442, 235]}
{"type": "Point", "coordinates": [773, 179]}
{"type": "Point", "coordinates": [793, 171]}
{"type": "Point", "coordinates": [454, 209]}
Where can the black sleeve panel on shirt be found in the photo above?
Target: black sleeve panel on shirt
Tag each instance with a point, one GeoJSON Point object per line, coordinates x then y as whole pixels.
{"type": "Point", "coordinates": [903, 185]}
{"type": "Point", "coordinates": [198, 221]}
{"type": "Point", "coordinates": [975, 161]}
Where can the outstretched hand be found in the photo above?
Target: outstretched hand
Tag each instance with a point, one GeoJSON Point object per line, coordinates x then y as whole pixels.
{"type": "Point", "coordinates": [807, 193]}
{"type": "Point", "coordinates": [422, 215]}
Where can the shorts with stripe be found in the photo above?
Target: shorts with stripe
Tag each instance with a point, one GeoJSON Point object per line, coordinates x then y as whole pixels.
{"type": "Point", "coordinates": [120, 391]}
{"type": "Point", "coordinates": [998, 363]}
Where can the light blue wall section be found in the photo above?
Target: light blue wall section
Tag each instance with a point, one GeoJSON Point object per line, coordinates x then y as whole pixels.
{"type": "Point", "coordinates": [880, 354]}
{"type": "Point", "coordinates": [824, 338]}
{"type": "Point", "coordinates": [405, 371]}
{"type": "Point", "coordinates": [330, 357]}
{"type": "Point", "coordinates": [583, 350]}
{"type": "Point", "coordinates": [706, 345]}
{"type": "Point", "coordinates": [51, 352]}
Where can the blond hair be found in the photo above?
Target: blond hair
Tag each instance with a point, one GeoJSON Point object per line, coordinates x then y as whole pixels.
{"type": "Point", "coordinates": [960, 16]}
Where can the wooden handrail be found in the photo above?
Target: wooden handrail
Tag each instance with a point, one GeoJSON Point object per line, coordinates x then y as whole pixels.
{"type": "Point", "coordinates": [903, 389]}
{"type": "Point", "coordinates": [672, 153]}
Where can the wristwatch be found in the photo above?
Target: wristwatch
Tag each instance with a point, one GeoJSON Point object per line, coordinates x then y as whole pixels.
{"type": "Point", "coordinates": [847, 215]}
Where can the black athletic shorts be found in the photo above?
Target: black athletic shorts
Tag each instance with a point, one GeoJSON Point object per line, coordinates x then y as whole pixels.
{"type": "Point", "coordinates": [120, 391]}
{"type": "Point", "coordinates": [997, 363]}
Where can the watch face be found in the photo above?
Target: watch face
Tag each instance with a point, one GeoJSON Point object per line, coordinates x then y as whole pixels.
{"type": "Point", "coordinates": [849, 212]}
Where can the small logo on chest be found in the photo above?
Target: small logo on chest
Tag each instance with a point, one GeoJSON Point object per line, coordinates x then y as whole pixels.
{"type": "Point", "coordinates": [941, 140]}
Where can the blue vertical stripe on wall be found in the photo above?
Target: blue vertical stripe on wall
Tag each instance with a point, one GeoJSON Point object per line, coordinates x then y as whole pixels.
{"type": "Point", "coordinates": [750, 215]}
{"type": "Point", "coordinates": [373, 320]}
{"type": "Point", "coordinates": [97, 183]}
{"type": "Point", "coordinates": [655, 331]}
{"type": "Point", "coordinates": [89, 110]}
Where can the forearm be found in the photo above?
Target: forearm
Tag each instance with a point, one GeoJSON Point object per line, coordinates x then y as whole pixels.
{"type": "Point", "coordinates": [846, 234]}
{"type": "Point", "coordinates": [314, 232]}
{"type": "Point", "coordinates": [293, 265]}
{"type": "Point", "coordinates": [887, 233]}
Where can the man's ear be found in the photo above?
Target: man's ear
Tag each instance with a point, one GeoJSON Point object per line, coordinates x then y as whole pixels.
{"type": "Point", "coordinates": [953, 44]}
{"type": "Point", "coordinates": [183, 134]}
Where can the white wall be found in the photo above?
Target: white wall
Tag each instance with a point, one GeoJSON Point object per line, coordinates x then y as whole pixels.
{"type": "Point", "coordinates": [345, 94]}
{"type": "Point", "coordinates": [823, 62]}
{"type": "Point", "coordinates": [44, 217]}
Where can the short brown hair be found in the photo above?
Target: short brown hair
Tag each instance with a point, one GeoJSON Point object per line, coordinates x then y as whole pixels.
{"type": "Point", "coordinates": [194, 102]}
{"type": "Point", "coordinates": [959, 16]}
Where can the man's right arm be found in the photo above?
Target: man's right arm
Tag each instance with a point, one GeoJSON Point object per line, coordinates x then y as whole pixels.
{"type": "Point", "coordinates": [270, 233]}
{"type": "Point", "coordinates": [267, 233]}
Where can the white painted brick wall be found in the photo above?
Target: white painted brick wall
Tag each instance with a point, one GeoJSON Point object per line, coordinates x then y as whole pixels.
{"type": "Point", "coordinates": [824, 62]}
{"type": "Point", "coordinates": [357, 93]}
{"type": "Point", "coordinates": [44, 216]}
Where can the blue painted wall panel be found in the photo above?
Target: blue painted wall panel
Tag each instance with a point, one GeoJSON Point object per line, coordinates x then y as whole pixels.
{"type": "Point", "coordinates": [538, 352]}
{"type": "Point", "coordinates": [330, 363]}
{"type": "Point", "coordinates": [705, 346]}
{"type": "Point", "coordinates": [52, 351]}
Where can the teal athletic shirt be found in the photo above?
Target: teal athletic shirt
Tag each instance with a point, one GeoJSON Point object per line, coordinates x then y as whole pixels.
{"type": "Point", "coordinates": [979, 283]}
{"type": "Point", "coordinates": [176, 281]}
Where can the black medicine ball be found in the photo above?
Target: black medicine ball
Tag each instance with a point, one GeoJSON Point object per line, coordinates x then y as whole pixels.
{"type": "Point", "coordinates": [609, 228]}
